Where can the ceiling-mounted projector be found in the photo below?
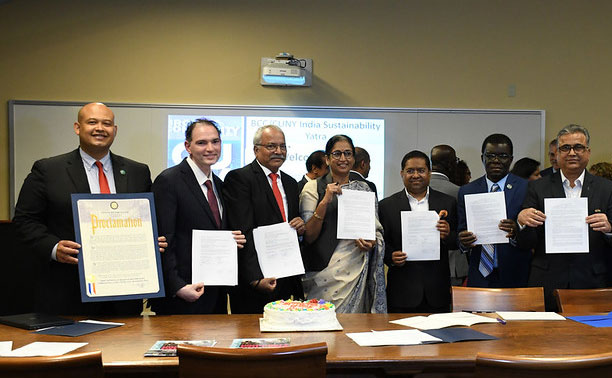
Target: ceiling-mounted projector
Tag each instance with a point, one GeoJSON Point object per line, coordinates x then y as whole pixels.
{"type": "Point", "coordinates": [285, 70]}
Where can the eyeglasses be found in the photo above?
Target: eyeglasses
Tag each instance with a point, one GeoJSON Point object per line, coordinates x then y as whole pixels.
{"type": "Point", "coordinates": [492, 155]}
{"type": "Point", "coordinates": [338, 154]}
{"type": "Point", "coordinates": [578, 148]}
{"type": "Point", "coordinates": [411, 171]}
{"type": "Point", "coordinates": [273, 146]}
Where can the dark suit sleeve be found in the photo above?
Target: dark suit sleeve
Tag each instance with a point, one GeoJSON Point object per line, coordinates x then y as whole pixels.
{"type": "Point", "coordinates": [31, 213]}
{"type": "Point", "coordinates": [166, 206]}
{"type": "Point", "coordinates": [451, 240]}
{"type": "Point", "coordinates": [240, 215]}
{"type": "Point", "coordinates": [527, 238]}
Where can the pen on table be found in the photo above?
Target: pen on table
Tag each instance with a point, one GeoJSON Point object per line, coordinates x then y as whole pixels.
{"type": "Point", "coordinates": [502, 321]}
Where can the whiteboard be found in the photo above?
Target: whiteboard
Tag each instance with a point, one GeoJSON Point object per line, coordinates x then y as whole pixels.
{"type": "Point", "coordinates": [39, 129]}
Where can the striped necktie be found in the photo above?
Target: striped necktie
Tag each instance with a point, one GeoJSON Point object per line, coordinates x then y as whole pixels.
{"type": "Point", "coordinates": [487, 253]}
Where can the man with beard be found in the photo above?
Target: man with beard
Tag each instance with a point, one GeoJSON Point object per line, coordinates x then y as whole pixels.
{"type": "Point", "coordinates": [495, 265]}
{"type": "Point", "coordinates": [260, 194]}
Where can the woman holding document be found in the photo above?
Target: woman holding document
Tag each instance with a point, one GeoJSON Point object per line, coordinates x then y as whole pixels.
{"type": "Point", "coordinates": [346, 272]}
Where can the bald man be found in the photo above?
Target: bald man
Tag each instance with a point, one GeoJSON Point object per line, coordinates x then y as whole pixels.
{"type": "Point", "coordinates": [43, 214]}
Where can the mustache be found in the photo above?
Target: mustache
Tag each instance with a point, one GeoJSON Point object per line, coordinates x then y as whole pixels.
{"type": "Point", "coordinates": [277, 156]}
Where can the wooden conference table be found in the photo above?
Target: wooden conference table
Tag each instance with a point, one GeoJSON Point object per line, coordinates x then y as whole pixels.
{"type": "Point", "coordinates": [123, 347]}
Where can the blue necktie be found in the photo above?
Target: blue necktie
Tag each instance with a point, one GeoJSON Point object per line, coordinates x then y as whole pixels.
{"type": "Point", "coordinates": [487, 253]}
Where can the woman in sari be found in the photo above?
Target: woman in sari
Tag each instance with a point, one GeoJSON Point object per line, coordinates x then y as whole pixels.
{"type": "Point", "coordinates": [348, 273]}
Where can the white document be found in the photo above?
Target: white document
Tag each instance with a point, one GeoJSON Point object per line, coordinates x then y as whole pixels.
{"type": "Point", "coordinates": [483, 212]}
{"type": "Point", "coordinates": [40, 348]}
{"type": "Point", "coordinates": [396, 337]}
{"type": "Point", "coordinates": [214, 258]}
{"type": "Point", "coordinates": [100, 322]}
{"type": "Point", "coordinates": [278, 250]}
{"type": "Point", "coordinates": [119, 251]}
{"type": "Point", "coordinates": [420, 237]}
{"type": "Point", "coordinates": [566, 229]}
{"type": "Point", "coordinates": [529, 315]}
{"type": "Point", "coordinates": [437, 321]}
{"type": "Point", "coordinates": [5, 347]}
{"type": "Point", "coordinates": [356, 215]}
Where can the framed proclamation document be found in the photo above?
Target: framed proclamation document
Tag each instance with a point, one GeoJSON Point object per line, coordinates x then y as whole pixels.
{"type": "Point", "coordinates": [119, 257]}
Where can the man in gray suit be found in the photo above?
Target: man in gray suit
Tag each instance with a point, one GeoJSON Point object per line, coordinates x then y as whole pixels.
{"type": "Point", "coordinates": [443, 165]}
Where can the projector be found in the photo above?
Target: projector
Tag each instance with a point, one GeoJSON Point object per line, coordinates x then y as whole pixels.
{"type": "Point", "coordinates": [285, 70]}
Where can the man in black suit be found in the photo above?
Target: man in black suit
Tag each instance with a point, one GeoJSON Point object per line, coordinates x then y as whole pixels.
{"type": "Point", "coordinates": [361, 168]}
{"type": "Point", "coordinates": [508, 265]}
{"type": "Point", "coordinates": [316, 166]}
{"type": "Point", "coordinates": [260, 194]}
{"type": "Point", "coordinates": [43, 214]}
{"type": "Point", "coordinates": [568, 270]}
{"type": "Point", "coordinates": [552, 157]}
{"type": "Point", "coordinates": [188, 197]}
{"type": "Point", "coordinates": [417, 286]}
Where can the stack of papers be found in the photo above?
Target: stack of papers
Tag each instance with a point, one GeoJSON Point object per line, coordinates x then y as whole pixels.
{"type": "Point", "coordinates": [529, 315]}
{"type": "Point", "coordinates": [416, 337]}
{"type": "Point", "coordinates": [436, 321]}
{"type": "Point", "coordinates": [594, 320]}
{"type": "Point", "coordinates": [40, 348]}
{"type": "Point", "coordinates": [167, 348]}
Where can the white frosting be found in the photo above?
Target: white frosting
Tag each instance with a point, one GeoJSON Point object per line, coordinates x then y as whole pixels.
{"type": "Point", "coordinates": [277, 314]}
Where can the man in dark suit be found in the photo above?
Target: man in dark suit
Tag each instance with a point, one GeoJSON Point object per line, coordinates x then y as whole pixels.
{"type": "Point", "coordinates": [43, 214]}
{"type": "Point", "coordinates": [444, 167]}
{"type": "Point", "coordinates": [188, 197]}
{"type": "Point", "coordinates": [552, 157]}
{"type": "Point", "coordinates": [417, 286]}
{"type": "Point", "coordinates": [316, 166]}
{"type": "Point", "coordinates": [361, 168]}
{"type": "Point", "coordinates": [260, 194]}
{"type": "Point", "coordinates": [495, 265]}
{"type": "Point", "coordinates": [569, 270]}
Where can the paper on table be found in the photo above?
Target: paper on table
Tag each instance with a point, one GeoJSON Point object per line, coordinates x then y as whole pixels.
{"type": "Point", "coordinates": [396, 337]}
{"type": "Point", "coordinates": [483, 211]}
{"type": "Point", "coordinates": [566, 230]}
{"type": "Point", "coordinates": [420, 237]}
{"type": "Point", "coordinates": [214, 258]}
{"type": "Point", "coordinates": [436, 321]}
{"type": "Point", "coordinates": [40, 348]}
{"type": "Point", "coordinates": [5, 347]}
{"type": "Point", "coordinates": [278, 250]}
{"type": "Point", "coordinates": [529, 315]}
{"type": "Point", "coordinates": [100, 322]}
{"type": "Point", "coordinates": [356, 218]}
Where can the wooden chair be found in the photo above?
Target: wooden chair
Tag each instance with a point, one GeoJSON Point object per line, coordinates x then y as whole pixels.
{"type": "Point", "coordinates": [294, 361]}
{"type": "Point", "coordinates": [491, 365]}
{"type": "Point", "coordinates": [584, 300]}
{"type": "Point", "coordinates": [75, 365]}
{"type": "Point", "coordinates": [485, 299]}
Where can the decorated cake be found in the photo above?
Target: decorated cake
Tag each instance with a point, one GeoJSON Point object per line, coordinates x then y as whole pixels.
{"type": "Point", "coordinates": [312, 315]}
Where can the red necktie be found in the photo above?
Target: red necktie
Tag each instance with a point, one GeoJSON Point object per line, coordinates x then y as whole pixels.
{"type": "Point", "coordinates": [104, 189]}
{"type": "Point", "coordinates": [277, 195]}
{"type": "Point", "coordinates": [212, 202]}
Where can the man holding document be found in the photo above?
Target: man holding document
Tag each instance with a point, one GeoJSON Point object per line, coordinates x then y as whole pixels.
{"type": "Point", "coordinates": [571, 241]}
{"type": "Point", "coordinates": [188, 198]}
{"type": "Point", "coordinates": [420, 227]}
{"type": "Point", "coordinates": [256, 195]}
{"type": "Point", "coordinates": [487, 209]}
{"type": "Point", "coordinates": [43, 214]}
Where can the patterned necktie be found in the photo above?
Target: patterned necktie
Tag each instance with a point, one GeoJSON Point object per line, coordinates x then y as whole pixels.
{"type": "Point", "coordinates": [104, 189]}
{"type": "Point", "coordinates": [277, 195]}
{"type": "Point", "coordinates": [487, 253]}
{"type": "Point", "coordinates": [212, 202]}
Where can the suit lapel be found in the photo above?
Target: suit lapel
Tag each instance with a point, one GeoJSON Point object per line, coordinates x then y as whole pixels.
{"type": "Point", "coordinates": [289, 193]}
{"type": "Point", "coordinates": [191, 183]}
{"type": "Point", "coordinates": [586, 185]}
{"type": "Point", "coordinates": [76, 172]}
{"type": "Point", "coordinates": [557, 186]}
{"type": "Point", "coordinates": [119, 173]}
{"type": "Point", "coordinates": [264, 184]}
